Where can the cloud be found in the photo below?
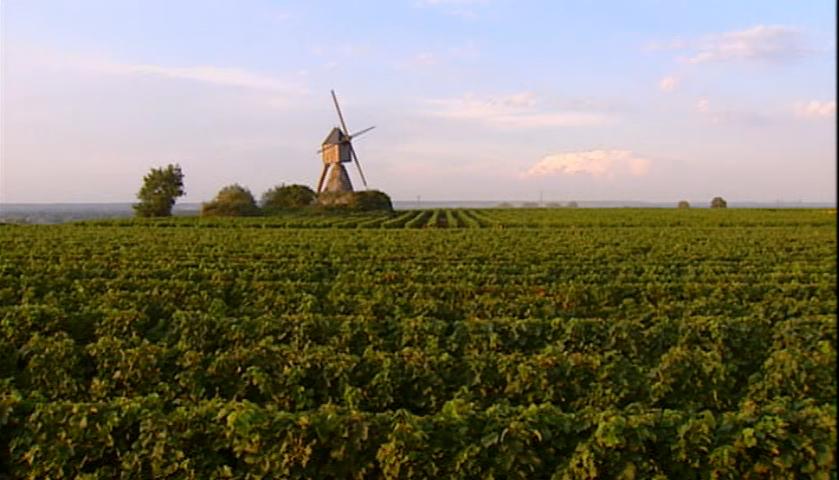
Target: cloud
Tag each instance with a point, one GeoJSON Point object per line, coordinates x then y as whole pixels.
{"type": "Point", "coordinates": [729, 114]}
{"type": "Point", "coordinates": [763, 43]}
{"type": "Point", "coordinates": [421, 60]}
{"type": "Point", "coordinates": [596, 163]}
{"type": "Point", "coordinates": [229, 77]}
{"type": "Point", "coordinates": [815, 109]}
{"type": "Point", "coordinates": [458, 8]}
{"type": "Point", "coordinates": [208, 74]}
{"type": "Point", "coordinates": [520, 110]}
{"type": "Point", "coordinates": [760, 43]}
{"type": "Point", "coordinates": [450, 2]}
{"type": "Point", "coordinates": [703, 105]}
{"type": "Point", "coordinates": [668, 84]}
{"type": "Point", "coordinates": [453, 55]}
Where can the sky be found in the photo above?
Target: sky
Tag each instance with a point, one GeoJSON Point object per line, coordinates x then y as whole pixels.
{"type": "Point", "coordinates": [645, 100]}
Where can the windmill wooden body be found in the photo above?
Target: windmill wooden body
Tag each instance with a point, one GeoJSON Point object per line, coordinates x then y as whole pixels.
{"type": "Point", "coordinates": [337, 150]}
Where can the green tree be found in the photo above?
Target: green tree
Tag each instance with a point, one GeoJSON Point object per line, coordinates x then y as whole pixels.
{"type": "Point", "coordinates": [161, 186]}
{"type": "Point", "coordinates": [284, 197]}
{"type": "Point", "coordinates": [683, 204]}
{"type": "Point", "coordinates": [231, 201]}
{"type": "Point", "coordinates": [719, 202]}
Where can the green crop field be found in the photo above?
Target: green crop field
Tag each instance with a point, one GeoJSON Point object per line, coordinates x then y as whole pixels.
{"type": "Point", "coordinates": [549, 343]}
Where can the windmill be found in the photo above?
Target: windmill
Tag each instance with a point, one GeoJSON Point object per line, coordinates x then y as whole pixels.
{"type": "Point", "coordinates": [336, 150]}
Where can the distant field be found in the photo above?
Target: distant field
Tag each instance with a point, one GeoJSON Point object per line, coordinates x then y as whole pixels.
{"type": "Point", "coordinates": [440, 343]}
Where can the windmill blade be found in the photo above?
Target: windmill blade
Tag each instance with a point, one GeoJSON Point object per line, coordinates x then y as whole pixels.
{"type": "Point", "coordinates": [322, 176]}
{"type": "Point", "coordinates": [340, 116]}
{"type": "Point", "coordinates": [356, 134]}
{"type": "Point", "coordinates": [358, 165]}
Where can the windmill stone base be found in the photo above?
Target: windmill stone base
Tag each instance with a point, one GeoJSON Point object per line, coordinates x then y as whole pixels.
{"type": "Point", "coordinates": [336, 199]}
{"type": "Point", "coordinates": [339, 179]}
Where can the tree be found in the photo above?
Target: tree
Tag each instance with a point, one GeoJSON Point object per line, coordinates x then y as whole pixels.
{"type": "Point", "coordinates": [161, 186]}
{"type": "Point", "coordinates": [683, 204]}
{"type": "Point", "coordinates": [284, 197]}
{"type": "Point", "coordinates": [231, 201]}
{"type": "Point", "coordinates": [719, 202]}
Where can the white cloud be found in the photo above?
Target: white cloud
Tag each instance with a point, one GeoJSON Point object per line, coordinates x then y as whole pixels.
{"type": "Point", "coordinates": [458, 8]}
{"type": "Point", "coordinates": [230, 77]}
{"type": "Point", "coordinates": [760, 43]}
{"type": "Point", "coordinates": [520, 110]}
{"type": "Point", "coordinates": [767, 43]}
{"type": "Point", "coordinates": [451, 2]}
{"type": "Point", "coordinates": [596, 163]}
{"type": "Point", "coordinates": [668, 84]}
{"type": "Point", "coordinates": [815, 109]}
{"type": "Point", "coordinates": [703, 105]}
{"type": "Point", "coordinates": [421, 60]}
{"type": "Point", "coordinates": [732, 113]}
{"type": "Point", "coordinates": [214, 75]}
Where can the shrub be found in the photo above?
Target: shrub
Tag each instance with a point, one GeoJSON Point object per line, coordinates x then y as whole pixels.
{"type": "Point", "coordinates": [285, 197]}
{"type": "Point", "coordinates": [719, 202]}
{"type": "Point", "coordinates": [684, 204]}
{"type": "Point", "coordinates": [231, 201]}
{"type": "Point", "coordinates": [370, 200]}
{"type": "Point", "coordinates": [364, 201]}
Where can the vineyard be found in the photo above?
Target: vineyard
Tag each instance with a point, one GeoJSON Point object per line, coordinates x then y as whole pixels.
{"type": "Point", "coordinates": [448, 343]}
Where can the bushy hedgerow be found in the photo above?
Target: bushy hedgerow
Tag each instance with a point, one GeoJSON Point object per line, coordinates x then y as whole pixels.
{"type": "Point", "coordinates": [231, 201]}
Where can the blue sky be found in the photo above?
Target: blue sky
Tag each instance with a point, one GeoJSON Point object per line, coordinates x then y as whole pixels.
{"type": "Point", "coordinates": [472, 99]}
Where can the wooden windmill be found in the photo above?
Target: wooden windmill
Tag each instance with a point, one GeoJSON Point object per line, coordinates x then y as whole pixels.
{"type": "Point", "coordinates": [337, 150]}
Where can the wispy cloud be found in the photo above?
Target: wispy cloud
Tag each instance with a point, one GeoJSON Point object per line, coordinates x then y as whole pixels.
{"type": "Point", "coordinates": [668, 83]}
{"type": "Point", "coordinates": [459, 8]}
{"type": "Point", "coordinates": [432, 58]}
{"type": "Point", "coordinates": [420, 60]}
{"type": "Point", "coordinates": [520, 110]}
{"type": "Point", "coordinates": [229, 77]}
{"type": "Point", "coordinates": [771, 43]}
{"type": "Point", "coordinates": [730, 114]}
{"type": "Point", "coordinates": [596, 163]}
{"type": "Point", "coordinates": [207, 74]}
{"type": "Point", "coordinates": [815, 109]}
{"type": "Point", "coordinates": [760, 43]}
{"type": "Point", "coordinates": [703, 105]}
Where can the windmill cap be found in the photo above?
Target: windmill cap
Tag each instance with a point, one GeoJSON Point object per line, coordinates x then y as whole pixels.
{"type": "Point", "coordinates": [335, 137]}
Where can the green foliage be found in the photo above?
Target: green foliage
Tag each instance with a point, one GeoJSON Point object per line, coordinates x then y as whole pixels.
{"type": "Point", "coordinates": [231, 201]}
{"type": "Point", "coordinates": [363, 201]}
{"type": "Point", "coordinates": [372, 200]}
{"type": "Point", "coordinates": [718, 202]}
{"type": "Point", "coordinates": [161, 186]}
{"type": "Point", "coordinates": [286, 197]}
{"type": "Point", "coordinates": [510, 344]}
{"type": "Point", "coordinates": [683, 204]}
